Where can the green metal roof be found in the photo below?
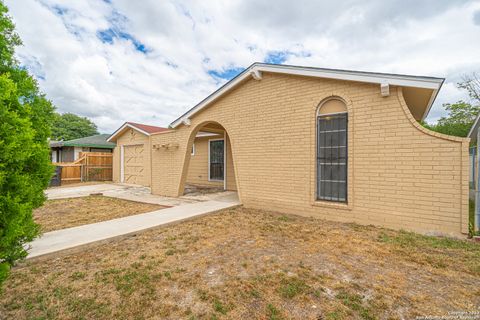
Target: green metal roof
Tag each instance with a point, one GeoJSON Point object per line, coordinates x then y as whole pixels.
{"type": "Point", "coordinates": [97, 141]}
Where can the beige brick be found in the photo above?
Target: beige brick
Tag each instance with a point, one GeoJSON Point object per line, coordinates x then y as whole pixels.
{"type": "Point", "coordinates": [400, 174]}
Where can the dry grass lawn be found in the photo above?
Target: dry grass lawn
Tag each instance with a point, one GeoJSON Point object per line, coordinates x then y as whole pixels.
{"type": "Point", "coordinates": [248, 264]}
{"type": "Point", "coordinates": [66, 213]}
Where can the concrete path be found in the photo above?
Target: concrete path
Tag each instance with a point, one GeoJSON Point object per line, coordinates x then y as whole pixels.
{"type": "Point", "coordinates": [81, 191]}
{"type": "Point", "coordinates": [72, 237]}
{"type": "Point", "coordinates": [129, 192]}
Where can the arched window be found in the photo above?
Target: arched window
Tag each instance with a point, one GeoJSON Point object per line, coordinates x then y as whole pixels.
{"type": "Point", "coordinates": [332, 151]}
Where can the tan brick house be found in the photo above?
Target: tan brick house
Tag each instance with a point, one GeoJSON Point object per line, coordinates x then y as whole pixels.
{"type": "Point", "coordinates": [334, 144]}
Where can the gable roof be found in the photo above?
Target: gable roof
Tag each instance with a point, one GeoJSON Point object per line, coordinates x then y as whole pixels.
{"type": "Point", "coordinates": [143, 128]}
{"type": "Point", "coordinates": [96, 141]}
{"type": "Point", "coordinates": [147, 128]}
{"type": "Point", "coordinates": [257, 68]}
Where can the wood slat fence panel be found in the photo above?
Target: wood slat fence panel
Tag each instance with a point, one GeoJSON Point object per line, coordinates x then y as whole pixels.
{"type": "Point", "coordinates": [91, 166]}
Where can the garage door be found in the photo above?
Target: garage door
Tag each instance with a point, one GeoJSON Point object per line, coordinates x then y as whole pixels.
{"type": "Point", "coordinates": [134, 165]}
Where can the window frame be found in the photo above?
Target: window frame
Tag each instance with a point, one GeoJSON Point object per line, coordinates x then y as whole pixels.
{"type": "Point", "coordinates": [317, 197]}
{"type": "Point", "coordinates": [192, 153]}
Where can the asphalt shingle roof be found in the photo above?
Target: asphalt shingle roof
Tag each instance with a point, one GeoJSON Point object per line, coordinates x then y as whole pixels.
{"type": "Point", "coordinates": [96, 141]}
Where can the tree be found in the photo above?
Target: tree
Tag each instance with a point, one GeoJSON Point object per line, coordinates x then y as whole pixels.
{"type": "Point", "coordinates": [69, 126]}
{"type": "Point", "coordinates": [460, 118]}
{"type": "Point", "coordinates": [25, 170]}
{"type": "Point", "coordinates": [461, 115]}
{"type": "Point", "coordinates": [471, 83]}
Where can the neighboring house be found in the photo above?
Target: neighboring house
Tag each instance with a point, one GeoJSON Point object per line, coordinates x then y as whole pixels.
{"type": "Point", "coordinates": [68, 151]}
{"type": "Point", "coordinates": [334, 144]}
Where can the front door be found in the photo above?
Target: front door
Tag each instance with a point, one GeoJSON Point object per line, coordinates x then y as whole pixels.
{"type": "Point", "coordinates": [216, 159]}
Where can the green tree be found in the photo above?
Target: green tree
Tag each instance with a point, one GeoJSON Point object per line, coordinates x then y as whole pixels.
{"type": "Point", "coordinates": [460, 118]}
{"type": "Point", "coordinates": [461, 115]}
{"type": "Point", "coordinates": [69, 126]}
{"type": "Point", "coordinates": [25, 169]}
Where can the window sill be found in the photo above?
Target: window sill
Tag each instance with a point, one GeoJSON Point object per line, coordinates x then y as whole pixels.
{"type": "Point", "coordinates": [335, 205]}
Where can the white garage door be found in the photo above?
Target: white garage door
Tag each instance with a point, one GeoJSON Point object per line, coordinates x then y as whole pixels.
{"type": "Point", "coordinates": [134, 164]}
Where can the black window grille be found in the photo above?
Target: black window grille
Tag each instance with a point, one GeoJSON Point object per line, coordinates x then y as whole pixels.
{"type": "Point", "coordinates": [332, 156]}
{"type": "Point", "coordinates": [216, 159]}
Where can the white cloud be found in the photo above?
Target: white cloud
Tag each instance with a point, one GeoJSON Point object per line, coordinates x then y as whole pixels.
{"type": "Point", "coordinates": [155, 57]}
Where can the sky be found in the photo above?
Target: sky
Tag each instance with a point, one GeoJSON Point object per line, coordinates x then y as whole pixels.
{"type": "Point", "coordinates": [149, 61]}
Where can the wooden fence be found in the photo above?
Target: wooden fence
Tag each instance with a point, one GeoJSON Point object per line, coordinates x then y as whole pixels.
{"type": "Point", "coordinates": [90, 166]}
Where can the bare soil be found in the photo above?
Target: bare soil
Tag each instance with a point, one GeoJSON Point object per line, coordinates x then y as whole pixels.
{"type": "Point", "coordinates": [250, 264]}
{"type": "Point", "coordinates": [196, 190]}
{"type": "Point", "coordinates": [66, 213]}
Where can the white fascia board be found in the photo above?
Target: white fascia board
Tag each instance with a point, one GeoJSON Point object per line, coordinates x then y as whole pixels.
{"type": "Point", "coordinates": [125, 125]}
{"type": "Point", "coordinates": [396, 80]}
{"type": "Point", "coordinates": [430, 102]}
{"type": "Point", "coordinates": [377, 78]}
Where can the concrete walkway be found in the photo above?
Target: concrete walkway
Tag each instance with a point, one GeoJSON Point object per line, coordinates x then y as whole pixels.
{"type": "Point", "coordinates": [72, 237]}
{"type": "Point", "coordinates": [116, 190]}
{"type": "Point", "coordinates": [130, 192]}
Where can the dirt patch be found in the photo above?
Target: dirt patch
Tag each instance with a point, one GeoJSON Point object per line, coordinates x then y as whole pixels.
{"type": "Point", "coordinates": [66, 213]}
{"type": "Point", "coordinates": [249, 264]}
{"type": "Point", "coordinates": [195, 190]}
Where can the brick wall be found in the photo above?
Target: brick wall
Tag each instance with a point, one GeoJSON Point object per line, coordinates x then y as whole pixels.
{"type": "Point", "coordinates": [116, 165]}
{"type": "Point", "coordinates": [400, 174]}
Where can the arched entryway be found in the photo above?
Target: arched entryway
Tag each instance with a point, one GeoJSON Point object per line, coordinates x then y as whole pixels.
{"type": "Point", "coordinates": [209, 164]}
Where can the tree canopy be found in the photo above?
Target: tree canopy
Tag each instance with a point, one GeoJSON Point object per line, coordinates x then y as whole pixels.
{"type": "Point", "coordinates": [461, 115]}
{"type": "Point", "coordinates": [25, 170]}
{"type": "Point", "coordinates": [69, 126]}
{"type": "Point", "coordinates": [460, 118]}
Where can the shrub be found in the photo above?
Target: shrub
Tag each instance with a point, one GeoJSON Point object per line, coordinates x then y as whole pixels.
{"type": "Point", "coordinates": [25, 169]}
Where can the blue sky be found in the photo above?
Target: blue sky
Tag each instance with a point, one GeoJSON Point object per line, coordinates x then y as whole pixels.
{"type": "Point", "coordinates": [149, 61]}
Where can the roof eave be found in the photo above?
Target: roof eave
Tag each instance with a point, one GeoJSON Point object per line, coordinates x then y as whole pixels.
{"type": "Point", "coordinates": [125, 125]}
{"type": "Point", "coordinates": [358, 76]}
{"type": "Point", "coordinates": [432, 100]}
{"type": "Point", "coordinates": [90, 145]}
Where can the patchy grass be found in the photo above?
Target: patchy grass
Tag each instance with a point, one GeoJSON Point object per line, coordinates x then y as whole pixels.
{"type": "Point", "coordinates": [437, 252]}
{"type": "Point", "coordinates": [249, 264]}
{"type": "Point", "coordinates": [292, 287]}
{"type": "Point", "coordinates": [355, 305]}
{"type": "Point", "coordinates": [273, 313]}
{"type": "Point", "coordinates": [66, 213]}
